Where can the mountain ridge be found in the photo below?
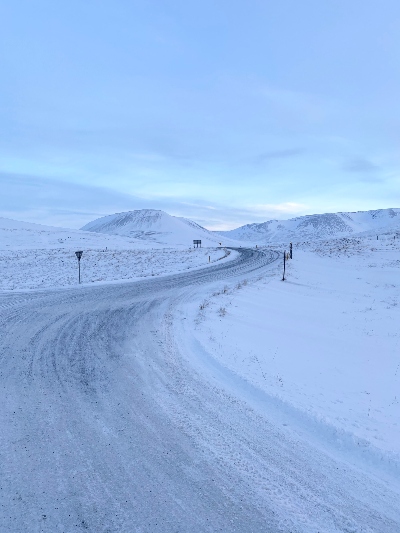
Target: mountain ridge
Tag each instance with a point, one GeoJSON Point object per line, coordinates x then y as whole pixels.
{"type": "Point", "coordinates": [318, 226]}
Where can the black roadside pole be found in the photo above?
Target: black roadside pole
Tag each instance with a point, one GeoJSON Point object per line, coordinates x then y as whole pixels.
{"type": "Point", "coordinates": [291, 251]}
{"type": "Point", "coordinates": [79, 255]}
{"type": "Point", "coordinates": [284, 265]}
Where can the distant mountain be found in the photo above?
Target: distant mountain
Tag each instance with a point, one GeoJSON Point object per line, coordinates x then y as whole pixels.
{"type": "Point", "coordinates": [157, 226]}
{"type": "Point", "coordinates": [325, 226]}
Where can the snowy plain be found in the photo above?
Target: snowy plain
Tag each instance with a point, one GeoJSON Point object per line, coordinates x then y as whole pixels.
{"type": "Point", "coordinates": [33, 256]}
{"type": "Point", "coordinates": [38, 269]}
{"type": "Point", "coordinates": [325, 342]}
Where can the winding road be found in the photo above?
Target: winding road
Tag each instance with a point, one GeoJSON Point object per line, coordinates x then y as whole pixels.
{"type": "Point", "coordinates": [106, 426]}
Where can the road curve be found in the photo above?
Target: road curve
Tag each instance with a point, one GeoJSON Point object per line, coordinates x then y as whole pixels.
{"type": "Point", "coordinates": [105, 427]}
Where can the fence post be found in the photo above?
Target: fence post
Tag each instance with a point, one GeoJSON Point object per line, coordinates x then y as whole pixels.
{"type": "Point", "coordinates": [284, 265]}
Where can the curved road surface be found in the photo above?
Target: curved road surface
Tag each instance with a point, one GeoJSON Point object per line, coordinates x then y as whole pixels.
{"type": "Point", "coordinates": [106, 427]}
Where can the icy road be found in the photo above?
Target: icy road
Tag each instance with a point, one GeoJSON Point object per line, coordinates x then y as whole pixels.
{"type": "Point", "coordinates": [106, 426]}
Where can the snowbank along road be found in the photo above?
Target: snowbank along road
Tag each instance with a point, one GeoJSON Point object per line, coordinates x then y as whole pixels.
{"type": "Point", "coordinates": [106, 427]}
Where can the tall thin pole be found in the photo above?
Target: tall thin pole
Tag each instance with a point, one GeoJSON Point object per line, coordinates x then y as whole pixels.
{"type": "Point", "coordinates": [284, 265]}
{"type": "Point", "coordinates": [291, 251]}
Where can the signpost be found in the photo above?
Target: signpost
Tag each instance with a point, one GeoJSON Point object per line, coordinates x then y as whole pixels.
{"type": "Point", "coordinates": [197, 243]}
{"type": "Point", "coordinates": [291, 251]}
{"type": "Point", "coordinates": [79, 255]}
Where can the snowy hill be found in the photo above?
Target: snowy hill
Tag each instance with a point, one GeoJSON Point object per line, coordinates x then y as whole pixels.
{"type": "Point", "coordinates": [16, 235]}
{"type": "Point", "coordinates": [325, 226]}
{"type": "Point", "coordinates": [156, 226]}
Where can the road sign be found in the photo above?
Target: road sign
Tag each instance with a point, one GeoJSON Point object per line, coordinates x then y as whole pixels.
{"type": "Point", "coordinates": [79, 255]}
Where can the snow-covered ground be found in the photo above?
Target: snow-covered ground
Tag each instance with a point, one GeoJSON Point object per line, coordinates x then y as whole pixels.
{"type": "Point", "coordinates": [34, 256]}
{"type": "Point", "coordinates": [219, 399]}
{"type": "Point", "coordinates": [33, 269]}
{"type": "Point", "coordinates": [324, 344]}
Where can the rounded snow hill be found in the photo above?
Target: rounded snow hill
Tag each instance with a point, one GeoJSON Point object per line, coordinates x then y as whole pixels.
{"type": "Point", "coordinates": [17, 235]}
{"type": "Point", "coordinates": [157, 226]}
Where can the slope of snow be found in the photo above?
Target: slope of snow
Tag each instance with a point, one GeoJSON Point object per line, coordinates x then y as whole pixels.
{"type": "Point", "coordinates": [328, 225]}
{"type": "Point", "coordinates": [156, 226]}
{"type": "Point", "coordinates": [16, 235]}
{"type": "Point", "coordinates": [322, 347]}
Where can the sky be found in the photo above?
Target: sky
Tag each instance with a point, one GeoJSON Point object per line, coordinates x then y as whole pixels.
{"type": "Point", "coordinates": [225, 112]}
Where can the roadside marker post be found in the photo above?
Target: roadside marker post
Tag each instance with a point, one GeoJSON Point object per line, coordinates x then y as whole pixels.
{"type": "Point", "coordinates": [79, 255]}
{"type": "Point", "coordinates": [291, 251]}
{"type": "Point", "coordinates": [284, 265]}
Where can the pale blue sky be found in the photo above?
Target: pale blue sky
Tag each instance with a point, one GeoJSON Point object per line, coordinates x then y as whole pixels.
{"type": "Point", "coordinates": [226, 112]}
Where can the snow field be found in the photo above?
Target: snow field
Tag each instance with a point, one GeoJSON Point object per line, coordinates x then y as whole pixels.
{"type": "Point", "coordinates": [325, 342]}
{"type": "Point", "coordinates": [45, 268]}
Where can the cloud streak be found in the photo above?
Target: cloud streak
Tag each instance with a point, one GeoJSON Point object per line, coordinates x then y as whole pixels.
{"type": "Point", "coordinates": [360, 165]}
{"type": "Point", "coordinates": [273, 155]}
{"type": "Point", "coordinates": [61, 203]}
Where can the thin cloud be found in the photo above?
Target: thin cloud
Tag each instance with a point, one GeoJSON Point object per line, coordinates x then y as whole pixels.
{"type": "Point", "coordinates": [61, 203]}
{"type": "Point", "coordinates": [284, 208]}
{"type": "Point", "coordinates": [287, 153]}
{"type": "Point", "coordinates": [57, 202]}
{"type": "Point", "coordinates": [360, 165]}
{"type": "Point", "coordinates": [366, 170]}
